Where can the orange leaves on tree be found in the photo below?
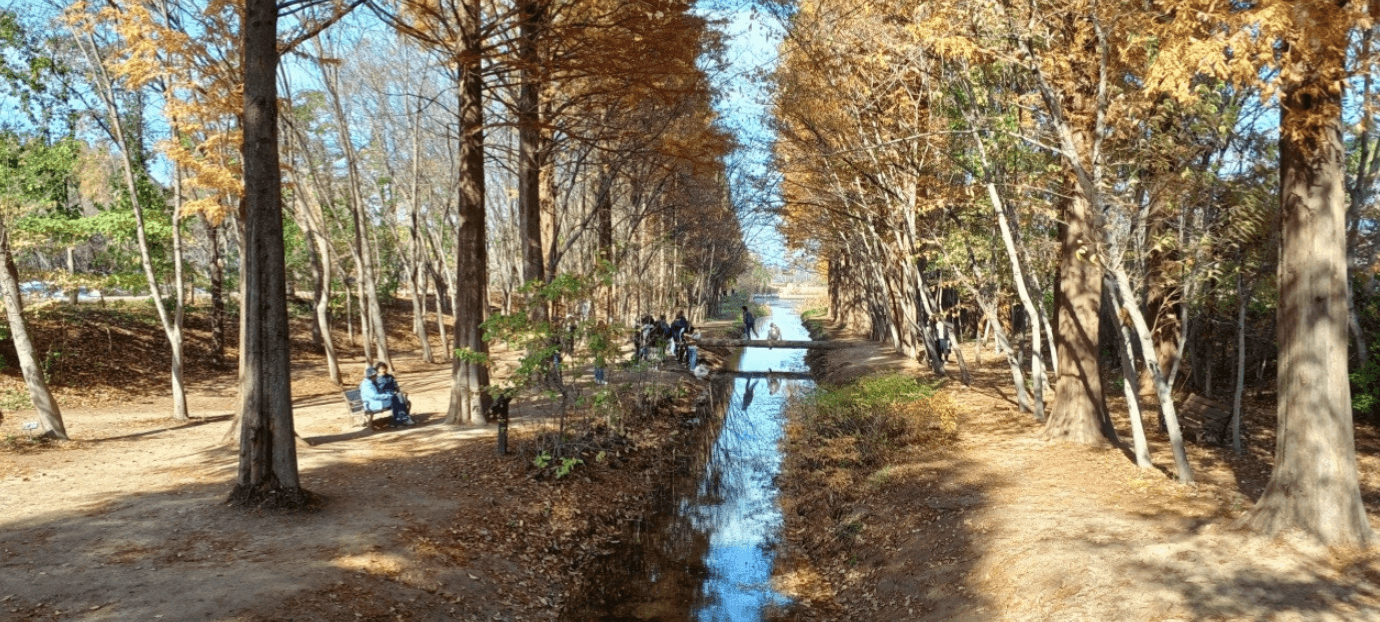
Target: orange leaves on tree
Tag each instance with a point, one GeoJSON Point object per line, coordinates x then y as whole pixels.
{"type": "Point", "coordinates": [197, 75]}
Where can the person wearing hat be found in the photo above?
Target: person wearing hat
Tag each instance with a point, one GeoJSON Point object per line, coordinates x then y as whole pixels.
{"type": "Point", "coordinates": [375, 399]}
{"type": "Point", "coordinates": [388, 384]}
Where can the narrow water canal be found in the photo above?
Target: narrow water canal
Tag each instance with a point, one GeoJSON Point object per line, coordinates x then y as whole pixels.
{"type": "Point", "coordinates": [708, 555]}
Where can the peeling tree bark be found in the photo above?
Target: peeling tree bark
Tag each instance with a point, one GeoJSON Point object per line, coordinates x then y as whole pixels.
{"type": "Point", "coordinates": [268, 452]}
{"type": "Point", "coordinates": [469, 398]}
{"type": "Point", "coordinates": [1080, 410]}
{"type": "Point", "coordinates": [1314, 486]}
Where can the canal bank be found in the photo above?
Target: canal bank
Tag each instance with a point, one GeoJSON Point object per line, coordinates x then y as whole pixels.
{"type": "Point", "coordinates": [708, 549]}
{"type": "Point", "coordinates": [836, 489]}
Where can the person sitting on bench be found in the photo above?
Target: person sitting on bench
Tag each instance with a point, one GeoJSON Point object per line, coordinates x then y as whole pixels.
{"type": "Point", "coordinates": [388, 384]}
{"type": "Point", "coordinates": [375, 399]}
{"type": "Point", "coordinates": [384, 380]}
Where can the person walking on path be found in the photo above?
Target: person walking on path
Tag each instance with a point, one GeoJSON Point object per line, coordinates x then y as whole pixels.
{"type": "Point", "coordinates": [749, 324]}
{"type": "Point", "coordinates": [941, 334]}
{"type": "Point", "coordinates": [644, 337]}
{"type": "Point", "coordinates": [661, 334]}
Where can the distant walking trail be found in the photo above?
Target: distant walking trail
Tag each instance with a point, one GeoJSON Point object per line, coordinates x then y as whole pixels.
{"type": "Point", "coordinates": [1003, 526]}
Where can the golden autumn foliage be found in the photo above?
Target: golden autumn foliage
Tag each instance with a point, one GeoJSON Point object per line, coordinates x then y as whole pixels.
{"type": "Point", "coordinates": [855, 113]}
{"type": "Point", "coordinates": [1113, 76]}
{"type": "Point", "coordinates": [1275, 45]}
{"type": "Point", "coordinates": [1123, 116]}
{"type": "Point", "coordinates": [189, 54]}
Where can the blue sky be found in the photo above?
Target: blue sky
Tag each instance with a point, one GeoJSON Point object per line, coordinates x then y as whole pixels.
{"type": "Point", "coordinates": [752, 39]}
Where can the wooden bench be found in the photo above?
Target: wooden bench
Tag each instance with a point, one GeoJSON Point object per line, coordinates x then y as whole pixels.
{"type": "Point", "coordinates": [360, 417]}
{"type": "Point", "coordinates": [1204, 421]}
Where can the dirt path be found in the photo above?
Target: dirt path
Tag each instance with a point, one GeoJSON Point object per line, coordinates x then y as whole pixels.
{"type": "Point", "coordinates": [998, 525]}
{"type": "Point", "coordinates": [420, 523]}
{"type": "Point", "coordinates": [127, 522]}
{"type": "Point", "coordinates": [425, 523]}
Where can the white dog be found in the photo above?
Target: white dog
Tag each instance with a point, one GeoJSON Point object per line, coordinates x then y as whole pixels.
{"type": "Point", "coordinates": [774, 333]}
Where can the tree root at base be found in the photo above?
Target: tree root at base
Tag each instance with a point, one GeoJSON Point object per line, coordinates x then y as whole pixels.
{"type": "Point", "coordinates": [276, 498]}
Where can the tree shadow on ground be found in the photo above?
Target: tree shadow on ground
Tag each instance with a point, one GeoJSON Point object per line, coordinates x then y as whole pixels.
{"type": "Point", "coordinates": [195, 422]}
{"type": "Point", "coordinates": [387, 530]}
{"type": "Point", "coordinates": [1220, 577]}
{"type": "Point", "coordinates": [937, 541]}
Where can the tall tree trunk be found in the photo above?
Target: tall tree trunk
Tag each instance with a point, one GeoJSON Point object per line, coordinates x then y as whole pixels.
{"type": "Point", "coordinates": [366, 325]}
{"type": "Point", "coordinates": [1128, 375]}
{"type": "Point", "coordinates": [417, 274]}
{"type": "Point", "coordinates": [469, 398]}
{"type": "Point", "coordinates": [530, 141]}
{"type": "Point", "coordinates": [911, 280]}
{"type": "Point", "coordinates": [989, 309]}
{"type": "Point", "coordinates": [1039, 379]}
{"type": "Point", "coordinates": [1167, 411]}
{"type": "Point", "coordinates": [1080, 410]}
{"type": "Point", "coordinates": [440, 277]}
{"type": "Point", "coordinates": [550, 219]}
{"type": "Point", "coordinates": [312, 221]}
{"type": "Point", "coordinates": [322, 304]}
{"type": "Point", "coordinates": [1367, 165]}
{"type": "Point", "coordinates": [1243, 295]}
{"type": "Point", "coordinates": [1164, 275]}
{"type": "Point", "coordinates": [216, 276]}
{"type": "Point", "coordinates": [268, 454]}
{"type": "Point", "coordinates": [1037, 363]}
{"type": "Point", "coordinates": [441, 320]}
{"type": "Point", "coordinates": [171, 330]}
{"type": "Point", "coordinates": [603, 224]}
{"type": "Point", "coordinates": [179, 303]}
{"type": "Point", "coordinates": [1314, 485]}
{"type": "Point", "coordinates": [371, 311]}
{"type": "Point", "coordinates": [49, 415]}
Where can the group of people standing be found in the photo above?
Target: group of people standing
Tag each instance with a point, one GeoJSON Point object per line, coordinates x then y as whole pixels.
{"type": "Point", "coordinates": [656, 335]}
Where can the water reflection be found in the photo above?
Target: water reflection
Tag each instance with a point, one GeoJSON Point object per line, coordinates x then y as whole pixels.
{"type": "Point", "coordinates": [745, 522]}
{"type": "Point", "coordinates": [709, 557]}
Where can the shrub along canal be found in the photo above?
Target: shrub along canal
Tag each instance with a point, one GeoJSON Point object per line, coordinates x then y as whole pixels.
{"type": "Point", "coordinates": [707, 553]}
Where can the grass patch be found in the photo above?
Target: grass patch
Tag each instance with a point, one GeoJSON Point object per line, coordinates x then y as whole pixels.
{"type": "Point", "coordinates": [14, 399]}
{"type": "Point", "coordinates": [859, 424]}
{"type": "Point", "coordinates": [732, 307]}
{"type": "Point", "coordinates": [813, 319]}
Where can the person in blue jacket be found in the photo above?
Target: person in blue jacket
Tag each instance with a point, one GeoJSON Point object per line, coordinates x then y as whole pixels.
{"type": "Point", "coordinates": [384, 380]}
{"type": "Point", "coordinates": [376, 399]}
